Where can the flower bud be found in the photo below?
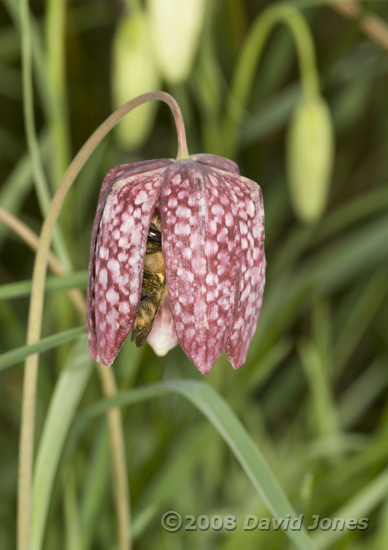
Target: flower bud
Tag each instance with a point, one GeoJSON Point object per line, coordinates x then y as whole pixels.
{"type": "Point", "coordinates": [176, 25]}
{"type": "Point", "coordinates": [310, 152]}
{"type": "Point", "coordinates": [134, 72]}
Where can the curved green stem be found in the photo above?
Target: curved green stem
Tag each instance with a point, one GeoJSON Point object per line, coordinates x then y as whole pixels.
{"type": "Point", "coordinates": [37, 296]}
{"type": "Point", "coordinates": [250, 57]}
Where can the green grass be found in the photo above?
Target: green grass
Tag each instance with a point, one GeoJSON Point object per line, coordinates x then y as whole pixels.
{"type": "Point", "coordinates": [302, 427]}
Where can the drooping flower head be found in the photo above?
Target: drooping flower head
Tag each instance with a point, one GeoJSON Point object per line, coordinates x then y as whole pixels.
{"type": "Point", "coordinates": [177, 255]}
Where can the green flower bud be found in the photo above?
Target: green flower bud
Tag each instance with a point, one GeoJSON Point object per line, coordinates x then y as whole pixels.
{"type": "Point", "coordinates": [176, 25]}
{"type": "Point", "coordinates": [134, 73]}
{"type": "Point", "coordinates": [310, 154]}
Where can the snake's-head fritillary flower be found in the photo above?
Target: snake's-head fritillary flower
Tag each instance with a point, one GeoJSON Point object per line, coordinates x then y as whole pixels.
{"type": "Point", "coordinates": [177, 255]}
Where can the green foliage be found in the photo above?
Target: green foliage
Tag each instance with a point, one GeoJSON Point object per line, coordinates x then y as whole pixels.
{"type": "Point", "coordinates": [303, 424]}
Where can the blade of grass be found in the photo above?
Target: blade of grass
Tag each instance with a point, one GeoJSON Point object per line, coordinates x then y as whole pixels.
{"type": "Point", "coordinates": [326, 421]}
{"type": "Point", "coordinates": [338, 220]}
{"type": "Point", "coordinates": [380, 539]}
{"type": "Point", "coordinates": [358, 507]}
{"type": "Point", "coordinates": [16, 355]}
{"type": "Point", "coordinates": [218, 412]}
{"type": "Point", "coordinates": [32, 241]}
{"type": "Point", "coordinates": [77, 279]}
{"type": "Point", "coordinates": [118, 460]}
{"type": "Point", "coordinates": [261, 370]}
{"type": "Point", "coordinates": [29, 237]}
{"type": "Point", "coordinates": [171, 476]}
{"type": "Point", "coordinates": [352, 472]}
{"type": "Point", "coordinates": [11, 87]}
{"type": "Point", "coordinates": [56, 83]}
{"type": "Point", "coordinates": [42, 187]}
{"type": "Point", "coordinates": [270, 116]}
{"type": "Point", "coordinates": [73, 530]}
{"type": "Point", "coordinates": [352, 327]}
{"type": "Point", "coordinates": [94, 487]}
{"type": "Point", "coordinates": [66, 397]}
{"type": "Point", "coordinates": [12, 329]}
{"type": "Point", "coordinates": [9, 44]}
{"type": "Point", "coordinates": [18, 183]}
{"type": "Point", "coordinates": [366, 388]}
{"type": "Point", "coordinates": [207, 85]}
{"type": "Point", "coordinates": [36, 47]}
{"type": "Point", "coordinates": [363, 250]}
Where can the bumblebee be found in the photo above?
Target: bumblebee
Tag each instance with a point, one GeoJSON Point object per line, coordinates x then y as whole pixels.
{"type": "Point", "coordinates": [154, 288]}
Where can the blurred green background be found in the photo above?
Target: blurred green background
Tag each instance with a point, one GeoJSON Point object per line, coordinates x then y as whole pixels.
{"type": "Point", "coordinates": [313, 393]}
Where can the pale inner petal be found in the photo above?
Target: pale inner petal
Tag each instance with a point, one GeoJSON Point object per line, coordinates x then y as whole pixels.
{"type": "Point", "coordinates": [162, 337]}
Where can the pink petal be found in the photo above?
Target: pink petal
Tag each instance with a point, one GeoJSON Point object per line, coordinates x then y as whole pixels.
{"type": "Point", "coordinates": [201, 245]}
{"type": "Point", "coordinates": [249, 200]}
{"type": "Point", "coordinates": [214, 161]}
{"type": "Point", "coordinates": [127, 201]}
{"type": "Point", "coordinates": [110, 177]}
{"type": "Point", "coordinates": [162, 337]}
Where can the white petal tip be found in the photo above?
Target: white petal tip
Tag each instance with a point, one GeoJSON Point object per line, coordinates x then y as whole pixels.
{"type": "Point", "coordinates": [161, 351]}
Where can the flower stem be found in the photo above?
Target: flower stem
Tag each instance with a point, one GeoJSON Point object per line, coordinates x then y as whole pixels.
{"type": "Point", "coordinates": [250, 57]}
{"type": "Point", "coordinates": [35, 323]}
{"type": "Point", "coordinates": [182, 152]}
